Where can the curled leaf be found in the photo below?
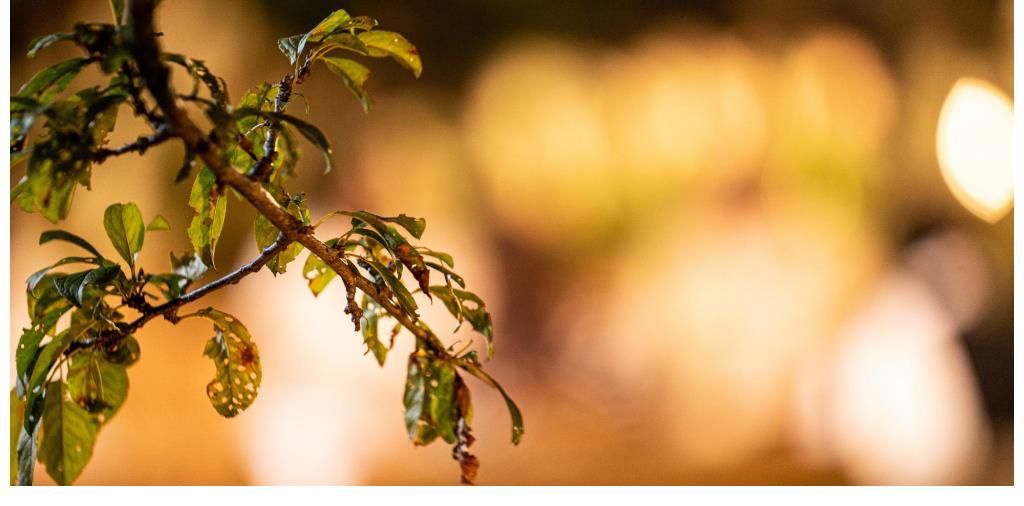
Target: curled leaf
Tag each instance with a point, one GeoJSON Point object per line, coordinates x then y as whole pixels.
{"type": "Point", "coordinates": [62, 235]}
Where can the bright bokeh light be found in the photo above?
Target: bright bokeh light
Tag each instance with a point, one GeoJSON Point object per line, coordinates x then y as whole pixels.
{"type": "Point", "coordinates": [903, 407]}
{"type": "Point", "coordinates": [975, 147]}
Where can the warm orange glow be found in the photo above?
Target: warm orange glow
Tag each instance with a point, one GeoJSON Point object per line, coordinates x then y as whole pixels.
{"type": "Point", "coordinates": [975, 147]}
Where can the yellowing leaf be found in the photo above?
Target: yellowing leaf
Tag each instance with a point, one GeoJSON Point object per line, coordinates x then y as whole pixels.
{"type": "Point", "coordinates": [210, 209]}
{"type": "Point", "coordinates": [124, 226]}
{"type": "Point", "coordinates": [159, 223]}
{"type": "Point", "coordinates": [69, 433]}
{"type": "Point", "coordinates": [237, 361]}
{"type": "Point", "coordinates": [354, 75]}
{"type": "Point", "coordinates": [384, 43]}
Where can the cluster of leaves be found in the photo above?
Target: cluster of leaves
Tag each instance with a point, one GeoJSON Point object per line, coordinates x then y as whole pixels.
{"type": "Point", "coordinates": [71, 372]}
{"type": "Point", "coordinates": [71, 377]}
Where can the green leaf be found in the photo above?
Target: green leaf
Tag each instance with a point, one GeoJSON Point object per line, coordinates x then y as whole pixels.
{"type": "Point", "coordinates": [17, 419]}
{"type": "Point", "coordinates": [68, 436]}
{"type": "Point", "coordinates": [25, 357]}
{"type": "Point", "coordinates": [448, 272]}
{"type": "Point", "coordinates": [384, 43]}
{"type": "Point", "coordinates": [126, 230]}
{"type": "Point", "coordinates": [28, 441]}
{"type": "Point", "coordinates": [290, 47]}
{"type": "Point", "coordinates": [61, 235]}
{"type": "Point", "coordinates": [318, 273]}
{"type": "Point", "coordinates": [361, 23]}
{"type": "Point", "coordinates": [474, 368]}
{"type": "Point", "coordinates": [48, 189]}
{"type": "Point", "coordinates": [332, 22]}
{"type": "Point", "coordinates": [159, 223]}
{"type": "Point", "coordinates": [210, 209]}
{"type": "Point", "coordinates": [443, 257]}
{"type": "Point", "coordinates": [73, 286]}
{"type": "Point", "coordinates": [475, 312]}
{"type": "Point", "coordinates": [415, 226]}
{"type": "Point", "coordinates": [429, 399]}
{"type": "Point", "coordinates": [309, 131]}
{"type": "Point", "coordinates": [38, 276]}
{"type": "Point", "coordinates": [266, 235]}
{"type": "Point", "coordinates": [189, 266]}
{"type": "Point", "coordinates": [416, 400]}
{"type": "Point", "coordinates": [96, 384]}
{"type": "Point", "coordinates": [354, 75]}
{"type": "Point", "coordinates": [124, 352]}
{"type": "Point", "coordinates": [313, 135]}
{"type": "Point", "coordinates": [40, 43]}
{"type": "Point", "coordinates": [451, 302]}
{"type": "Point", "coordinates": [369, 326]}
{"type": "Point", "coordinates": [44, 303]}
{"type": "Point", "coordinates": [102, 116]}
{"type": "Point", "coordinates": [442, 399]}
{"type": "Point", "coordinates": [52, 80]}
{"type": "Point", "coordinates": [237, 361]}
{"type": "Point", "coordinates": [343, 40]}
{"type": "Point", "coordinates": [170, 285]}
{"type": "Point", "coordinates": [405, 298]}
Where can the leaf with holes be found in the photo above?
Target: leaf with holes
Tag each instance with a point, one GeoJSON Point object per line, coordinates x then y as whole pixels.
{"type": "Point", "coordinates": [234, 354]}
{"type": "Point", "coordinates": [429, 399]}
{"type": "Point", "coordinates": [317, 273]}
{"type": "Point", "coordinates": [372, 314]}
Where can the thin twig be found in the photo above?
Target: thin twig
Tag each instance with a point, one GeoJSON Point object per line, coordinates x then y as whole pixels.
{"type": "Point", "coordinates": [139, 145]}
{"type": "Point", "coordinates": [168, 308]}
{"type": "Point", "coordinates": [261, 170]}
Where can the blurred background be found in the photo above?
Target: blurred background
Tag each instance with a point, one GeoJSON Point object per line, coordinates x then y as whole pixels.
{"type": "Point", "coordinates": [737, 242]}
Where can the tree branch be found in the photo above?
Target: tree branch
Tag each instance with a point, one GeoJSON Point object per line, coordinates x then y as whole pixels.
{"type": "Point", "coordinates": [146, 53]}
{"type": "Point", "coordinates": [168, 308]}
{"type": "Point", "coordinates": [139, 145]}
